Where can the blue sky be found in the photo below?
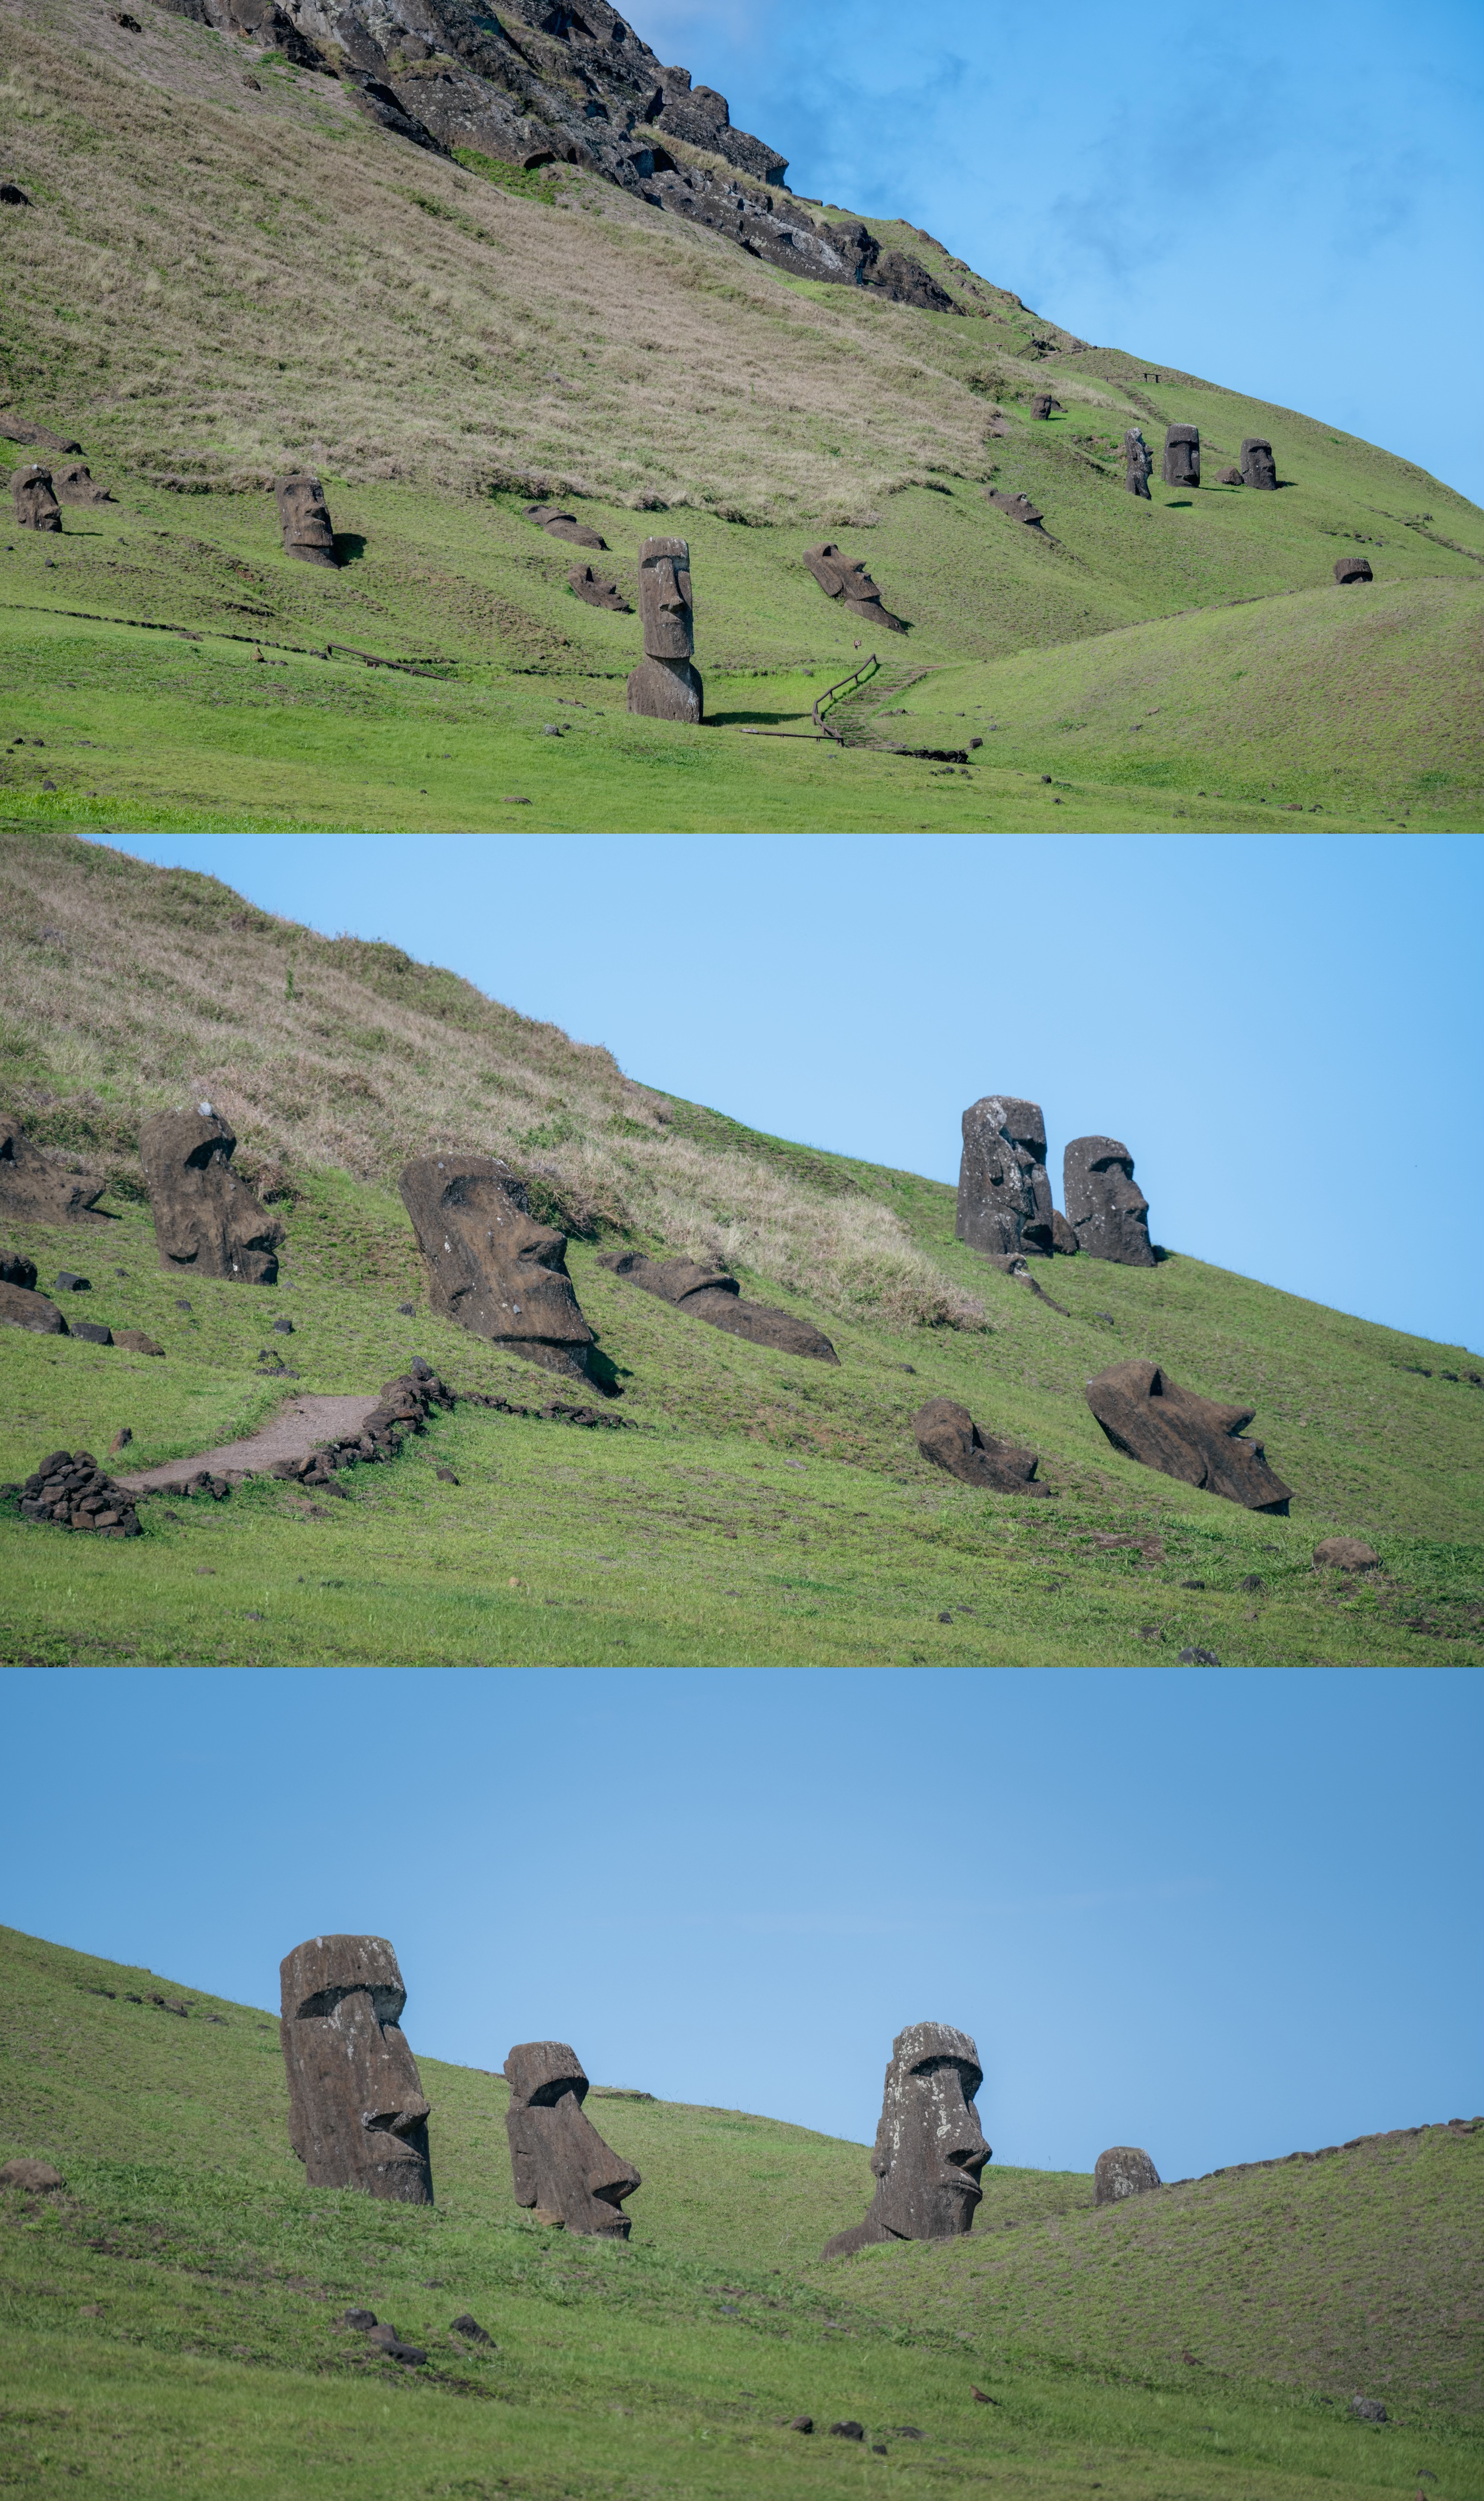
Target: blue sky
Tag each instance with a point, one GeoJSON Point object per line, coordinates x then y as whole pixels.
{"type": "Point", "coordinates": [1287, 1030]}
{"type": "Point", "coordinates": [1217, 1915]}
{"type": "Point", "coordinates": [1287, 201]}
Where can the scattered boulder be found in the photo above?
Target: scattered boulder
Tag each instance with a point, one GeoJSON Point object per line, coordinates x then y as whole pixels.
{"type": "Point", "coordinates": [1152, 1420]}
{"type": "Point", "coordinates": [1258, 465]}
{"type": "Point", "coordinates": [559, 2163]}
{"type": "Point", "coordinates": [70, 1490]}
{"type": "Point", "coordinates": [18, 1270]}
{"type": "Point", "coordinates": [847, 2431]}
{"type": "Point", "coordinates": [1183, 455]}
{"type": "Point", "coordinates": [1229, 477]}
{"type": "Point", "coordinates": [1368, 2410]}
{"type": "Point", "coordinates": [1138, 461]}
{"type": "Point", "coordinates": [1004, 1195]}
{"type": "Point", "coordinates": [666, 686]}
{"type": "Point", "coordinates": [563, 525]}
{"type": "Point", "coordinates": [1353, 568]}
{"type": "Point", "coordinates": [490, 1265]}
{"type": "Point", "coordinates": [356, 2319]}
{"type": "Point", "coordinates": [1020, 507]}
{"type": "Point", "coordinates": [137, 1343]}
{"type": "Point", "coordinates": [1109, 1214]}
{"type": "Point", "coordinates": [1123, 2171]}
{"type": "Point", "coordinates": [68, 1282]}
{"type": "Point", "coordinates": [28, 2171]}
{"type": "Point", "coordinates": [1064, 1235]}
{"type": "Point", "coordinates": [14, 197]}
{"type": "Point", "coordinates": [1346, 1554]}
{"type": "Point", "coordinates": [851, 584]}
{"type": "Point", "coordinates": [20, 1307]}
{"type": "Point", "coordinates": [73, 483]}
{"type": "Point", "coordinates": [947, 1435]}
{"type": "Point", "coordinates": [800, 2422]}
{"type": "Point", "coordinates": [96, 1332]}
{"type": "Point", "coordinates": [304, 518]}
{"type": "Point", "coordinates": [35, 1190]}
{"type": "Point", "coordinates": [598, 592]}
{"type": "Point", "coordinates": [36, 505]}
{"type": "Point", "coordinates": [205, 1217]}
{"type": "Point", "coordinates": [710, 1294]}
{"type": "Point", "coordinates": [468, 2328]}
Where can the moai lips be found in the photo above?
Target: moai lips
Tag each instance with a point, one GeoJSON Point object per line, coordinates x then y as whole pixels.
{"type": "Point", "coordinates": [559, 2163]}
{"type": "Point", "coordinates": [1152, 1420]}
{"type": "Point", "coordinates": [491, 1266]}
{"type": "Point", "coordinates": [304, 516]}
{"type": "Point", "coordinates": [357, 2118]}
{"type": "Point", "coordinates": [205, 1217]}
{"type": "Point", "coordinates": [1183, 455]}
{"type": "Point", "coordinates": [1138, 461]}
{"type": "Point", "coordinates": [929, 2149]}
{"type": "Point", "coordinates": [1109, 1214]}
{"type": "Point", "coordinates": [1004, 1195]}
{"type": "Point", "coordinates": [666, 685]}
{"type": "Point", "coordinates": [947, 1434]}
{"type": "Point", "coordinates": [838, 577]}
{"type": "Point", "coordinates": [1258, 465]}
{"type": "Point", "coordinates": [34, 499]}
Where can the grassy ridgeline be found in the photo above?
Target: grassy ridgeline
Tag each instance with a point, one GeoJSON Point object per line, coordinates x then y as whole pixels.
{"type": "Point", "coordinates": [172, 2316]}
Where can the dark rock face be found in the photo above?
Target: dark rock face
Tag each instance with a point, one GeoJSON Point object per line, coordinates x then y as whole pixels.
{"type": "Point", "coordinates": [36, 505]}
{"type": "Point", "coordinates": [947, 1435]}
{"type": "Point", "coordinates": [1258, 465]}
{"type": "Point", "coordinates": [70, 1490]}
{"type": "Point", "coordinates": [666, 686]}
{"type": "Point", "coordinates": [20, 1307]}
{"type": "Point", "coordinates": [597, 591]}
{"type": "Point", "coordinates": [851, 584]}
{"type": "Point", "coordinates": [205, 1217]}
{"type": "Point", "coordinates": [304, 516]}
{"type": "Point", "coordinates": [1108, 1215]}
{"type": "Point", "coordinates": [698, 114]}
{"type": "Point", "coordinates": [929, 2149]}
{"type": "Point", "coordinates": [1064, 1235]}
{"type": "Point", "coordinates": [1138, 461]}
{"type": "Point", "coordinates": [1004, 1195]}
{"type": "Point", "coordinates": [1183, 455]}
{"type": "Point", "coordinates": [710, 1294]}
{"type": "Point", "coordinates": [563, 525]}
{"type": "Point", "coordinates": [1020, 507]}
{"type": "Point", "coordinates": [1152, 1420]}
{"type": "Point", "coordinates": [35, 1190]}
{"type": "Point", "coordinates": [72, 482]}
{"type": "Point", "coordinates": [1346, 1554]}
{"type": "Point", "coordinates": [17, 1271]}
{"type": "Point", "coordinates": [491, 1266]}
{"type": "Point", "coordinates": [1123, 2171]}
{"type": "Point", "coordinates": [357, 2114]}
{"type": "Point", "coordinates": [559, 2163]}
{"type": "Point", "coordinates": [1353, 568]}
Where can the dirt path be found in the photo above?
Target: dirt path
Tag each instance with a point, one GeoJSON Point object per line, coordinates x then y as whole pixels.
{"type": "Point", "coordinates": [292, 1434]}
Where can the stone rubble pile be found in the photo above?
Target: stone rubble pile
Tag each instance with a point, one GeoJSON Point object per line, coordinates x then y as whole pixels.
{"type": "Point", "coordinates": [70, 1490]}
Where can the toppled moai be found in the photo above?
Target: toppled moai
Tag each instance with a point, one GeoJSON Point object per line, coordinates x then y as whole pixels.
{"type": "Point", "coordinates": [559, 2163]}
{"type": "Point", "coordinates": [1258, 465]}
{"type": "Point", "coordinates": [598, 590]}
{"type": "Point", "coordinates": [1020, 507]}
{"type": "Point", "coordinates": [1353, 568]}
{"type": "Point", "coordinates": [710, 1294]}
{"type": "Point", "coordinates": [1107, 1210]}
{"type": "Point", "coordinates": [929, 2148]}
{"type": "Point", "coordinates": [1123, 2171]}
{"type": "Point", "coordinates": [357, 2118]}
{"type": "Point", "coordinates": [36, 1190]}
{"type": "Point", "coordinates": [666, 685]}
{"type": "Point", "coordinates": [558, 524]}
{"type": "Point", "coordinates": [35, 502]}
{"type": "Point", "coordinates": [1152, 1420]}
{"type": "Point", "coordinates": [838, 577]}
{"type": "Point", "coordinates": [205, 1217]}
{"type": "Point", "coordinates": [492, 1266]}
{"type": "Point", "coordinates": [947, 1435]}
{"type": "Point", "coordinates": [1004, 1195]}
{"type": "Point", "coordinates": [1138, 461]}
{"type": "Point", "coordinates": [72, 482]}
{"type": "Point", "coordinates": [70, 1490]}
{"type": "Point", "coordinates": [304, 516]}
{"type": "Point", "coordinates": [1183, 455]}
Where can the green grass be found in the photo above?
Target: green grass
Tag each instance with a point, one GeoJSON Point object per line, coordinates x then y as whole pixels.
{"type": "Point", "coordinates": [169, 2320]}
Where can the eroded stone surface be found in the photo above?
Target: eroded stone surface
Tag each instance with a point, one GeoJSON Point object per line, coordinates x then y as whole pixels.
{"type": "Point", "coordinates": [598, 590]}
{"type": "Point", "coordinates": [1123, 2171]}
{"type": "Point", "coordinates": [357, 2118]}
{"type": "Point", "coordinates": [558, 524]}
{"type": "Point", "coordinates": [559, 2163]}
{"type": "Point", "coordinates": [947, 1435]}
{"type": "Point", "coordinates": [34, 499]}
{"type": "Point", "coordinates": [20, 1306]}
{"type": "Point", "coordinates": [1346, 1554]}
{"type": "Point", "coordinates": [929, 2149]}
{"type": "Point", "coordinates": [1151, 1418]}
{"type": "Point", "coordinates": [1020, 507]}
{"type": "Point", "coordinates": [491, 1266]}
{"type": "Point", "coordinates": [710, 1294]}
{"type": "Point", "coordinates": [29, 2171]}
{"type": "Point", "coordinates": [1004, 1195]}
{"type": "Point", "coordinates": [1107, 1210]}
{"type": "Point", "coordinates": [36, 1190]}
{"type": "Point", "coordinates": [72, 482]}
{"type": "Point", "coordinates": [205, 1217]}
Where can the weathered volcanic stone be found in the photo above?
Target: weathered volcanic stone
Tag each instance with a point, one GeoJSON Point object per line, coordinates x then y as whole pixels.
{"type": "Point", "coordinates": [559, 2163]}
{"type": "Point", "coordinates": [205, 1217]}
{"type": "Point", "coordinates": [1004, 1195]}
{"type": "Point", "coordinates": [20, 1307]}
{"type": "Point", "coordinates": [35, 502]}
{"type": "Point", "coordinates": [838, 577]}
{"type": "Point", "coordinates": [1042, 405]}
{"type": "Point", "coordinates": [710, 1294]}
{"type": "Point", "coordinates": [491, 1266]}
{"type": "Point", "coordinates": [1138, 461]}
{"type": "Point", "coordinates": [1258, 465]}
{"type": "Point", "coordinates": [947, 1435]}
{"type": "Point", "coordinates": [666, 685]}
{"type": "Point", "coordinates": [304, 516]}
{"type": "Point", "coordinates": [929, 2149]}
{"type": "Point", "coordinates": [558, 524]}
{"type": "Point", "coordinates": [1123, 2171]}
{"type": "Point", "coordinates": [1064, 1235]}
{"type": "Point", "coordinates": [1020, 507]}
{"type": "Point", "coordinates": [70, 1490]}
{"type": "Point", "coordinates": [357, 2114]}
{"type": "Point", "coordinates": [1345, 1555]}
{"type": "Point", "coordinates": [18, 1270]}
{"type": "Point", "coordinates": [35, 1190]}
{"type": "Point", "coordinates": [15, 430]}
{"type": "Point", "coordinates": [1152, 1420]}
{"type": "Point", "coordinates": [1109, 1214]}
{"type": "Point", "coordinates": [28, 2171]}
{"type": "Point", "coordinates": [1353, 568]}
{"type": "Point", "coordinates": [1229, 477]}
{"type": "Point", "coordinates": [598, 592]}
{"type": "Point", "coordinates": [72, 482]}
{"type": "Point", "coordinates": [667, 691]}
{"type": "Point", "coordinates": [1183, 455]}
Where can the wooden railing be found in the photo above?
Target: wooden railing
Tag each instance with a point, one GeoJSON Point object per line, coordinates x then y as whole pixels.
{"type": "Point", "coordinates": [836, 694]}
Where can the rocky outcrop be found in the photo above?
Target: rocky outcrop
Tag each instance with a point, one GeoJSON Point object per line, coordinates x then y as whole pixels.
{"type": "Point", "coordinates": [710, 1294]}
{"type": "Point", "coordinates": [698, 114]}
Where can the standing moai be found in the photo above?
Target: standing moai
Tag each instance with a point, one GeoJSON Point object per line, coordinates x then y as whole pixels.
{"type": "Point", "coordinates": [304, 518]}
{"type": "Point", "coordinates": [1183, 455]}
{"type": "Point", "coordinates": [357, 2118]}
{"type": "Point", "coordinates": [1258, 465]}
{"type": "Point", "coordinates": [1004, 1195]}
{"type": "Point", "coordinates": [34, 499]}
{"type": "Point", "coordinates": [1123, 2171]}
{"type": "Point", "coordinates": [559, 2163]}
{"type": "Point", "coordinates": [929, 2148]}
{"type": "Point", "coordinates": [1106, 1208]}
{"type": "Point", "coordinates": [666, 686]}
{"type": "Point", "coordinates": [205, 1217]}
{"type": "Point", "coordinates": [1138, 461]}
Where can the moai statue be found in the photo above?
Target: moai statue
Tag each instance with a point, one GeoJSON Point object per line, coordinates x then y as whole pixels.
{"type": "Point", "coordinates": [1138, 461]}
{"type": "Point", "coordinates": [1042, 405]}
{"type": "Point", "coordinates": [1108, 1215]}
{"type": "Point", "coordinates": [36, 1190]}
{"type": "Point", "coordinates": [304, 520]}
{"type": "Point", "coordinates": [35, 502]}
{"type": "Point", "coordinates": [559, 2163]}
{"type": "Point", "coordinates": [1004, 1195]}
{"type": "Point", "coordinates": [1353, 568]}
{"type": "Point", "coordinates": [1258, 465]}
{"type": "Point", "coordinates": [1152, 1420]}
{"type": "Point", "coordinates": [491, 1265]}
{"type": "Point", "coordinates": [71, 482]}
{"type": "Point", "coordinates": [1183, 455]}
{"type": "Point", "coordinates": [357, 2114]}
{"type": "Point", "coordinates": [947, 1435]}
{"type": "Point", "coordinates": [929, 2149]}
{"type": "Point", "coordinates": [205, 1217]}
{"type": "Point", "coordinates": [558, 524]}
{"type": "Point", "coordinates": [838, 577]}
{"type": "Point", "coordinates": [1123, 2171]}
{"type": "Point", "coordinates": [710, 1294]}
{"type": "Point", "coordinates": [666, 685]}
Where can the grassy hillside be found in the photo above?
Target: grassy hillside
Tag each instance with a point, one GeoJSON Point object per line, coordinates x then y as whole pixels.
{"type": "Point", "coordinates": [170, 2318]}
{"type": "Point", "coordinates": [216, 282]}
{"type": "Point", "coordinates": [753, 1506]}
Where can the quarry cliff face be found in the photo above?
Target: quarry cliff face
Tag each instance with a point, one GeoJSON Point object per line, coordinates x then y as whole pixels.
{"type": "Point", "coordinates": [539, 84]}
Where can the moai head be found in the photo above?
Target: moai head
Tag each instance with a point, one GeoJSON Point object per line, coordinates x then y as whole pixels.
{"type": "Point", "coordinates": [1109, 1214]}
{"type": "Point", "coordinates": [1004, 1196]}
{"type": "Point", "coordinates": [842, 578]}
{"type": "Point", "coordinates": [558, 2160]}
{"type": "Point", "coordinates": [1258, 465]}
{"type": "Point", "coordinates": [1353, 568]}
{"type": "Point", "coordinates": [1195, 1440]}
{"type": "Point", "coordinates": [929, 2149]}
{"type": "Point", "coordinates": [304, 520]}
{"type": "Point", "coordinates": [491, 1265]}
{"type": "Point", "coordinates": [663, 599]}
{"type": "Point", "coordinates": [1183, 455]}
{"type": "Point", "coordinates": [357, 2114]}
{"type": "Point", "coordinates": [205, 1217]}
{"type": "Point", "coordinates": [1138, 461]}
{"type": "Point", "coordinates": [1123, 2171]}
{"type": "Point", "coordinates": [36, 504]}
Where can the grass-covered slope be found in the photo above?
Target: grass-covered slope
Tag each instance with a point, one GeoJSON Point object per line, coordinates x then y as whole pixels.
{"type": "Point", "coordinates": [753, 1506]}
{"type": "Point", "coordinates": [170, 2317]}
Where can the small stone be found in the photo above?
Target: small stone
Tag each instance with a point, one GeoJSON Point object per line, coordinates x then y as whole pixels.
{"type": "Point", "coordinates": [284, 1328]}
{"type": "Point", "coordinates": [121, 1439]}
{"type": "Point", "coordinates": [1364, 2409]}
{"type": "Point", "coordinates": [1346, 1554]}
{"type": "Point", "coordinates": [1195, 1657]}
{"type": "Point", "coordinates": [137, 1343]}
{"type": "Point", "coordinates": [28, 2171]}
{"type": "Point", "coordinates": [356, 2319]}
{"type": "Point", "coordinates": [1251, 1581]}
{"type": "Point", "coordinates": [446, 1476]}
{"type": "Point", "coordinates": [802, 2422]}
{"type": "Point", "coordinates": [847, 2431]}
{"type": "Point", "coordinates": [93, 1332]}
{"type": "Point", "coordinates": [467, 2327]}
{"type": "Point", "coordinates": [182, 1307]}
{"type": "Point", "coordinates": [70, 1283]}
{"type": "Point", "coordinates": [406, 1309]}
{"type": "Point", "coordinates": [946, 1618]}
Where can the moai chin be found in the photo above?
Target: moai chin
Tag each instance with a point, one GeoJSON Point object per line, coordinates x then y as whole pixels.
{"type": "Point", "coordinates": [1183, 455]}
{"type": "Point", "coordinates": [304, 518]}
{"type": "Point", "coordinates": [357, 2114]}
{"type": "Point", "coordinates": [1138, 461]}
{"type": "Point", "coordinates": [559, 2163]}
{"type": "Point", "coordinates": [666, 686]}
{"type": "Point", "coordinates": [1108, 1213]}
{"type": "Point", "coordinates": [1004, 1195]}
{"type": "Point", "coordinates": [929, 2149]}
{"type": "Point", "coordinates": [34, 499]}
{"type": "Point", "coordinates": [1258, 465]}
{"type": "Point", "coordinates": [492, 1266]}
{"type": "Point", "coordinates": [205, 1217]}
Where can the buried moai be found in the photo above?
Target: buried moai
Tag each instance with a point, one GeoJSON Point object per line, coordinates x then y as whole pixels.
{"type": "Point", "coordinates": [1107, 1210]}
{"type": "Point", "coordinates": [666, 686]}
{"type": "Point", "coordinates": [1123, 2171]}
{"type": "Point", "coordinates": [709, 1293]}
{"type": "Point", "coordinates": [205, 1217]}
{"type": "Point", "coordinates": [1138, 461]}
{"type": "Point", "coordinates": [35, 1190]}
{"type": "Point", "coordinates": [1004, 1195]}
{"type": "Point", "coordinates": [597, 590]}
{"type": "Point", "coordinates": [1152, 1420]}
{"type": "Point", "coordinates": [72, 482]}
{"type": "Point", "coordinates": [851, 584]}
{"type": "Point", "coordinates": [304, 518]}
{"type": "Point", "coordinates": [1352, 568]}
{"type": "Point", "coordinates": [559, 2163]}
{"type": "Point", "coordinates": [558, 524]}
{"type": "Point", "coordinates": [1183, 455]}
{"type": "Point", "coordinates": [1258, 465]}
{"type": "Point", "coordinates": [34, 499]}
{"type": "Point", "coordinates": [491, 1265]}
{"type": "Point", "coordinates": [357, 2118]}
{"type": "Point", "coordinates": [929, 2149]}
{"type": "Point", "coordinates": [947, 1434]}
